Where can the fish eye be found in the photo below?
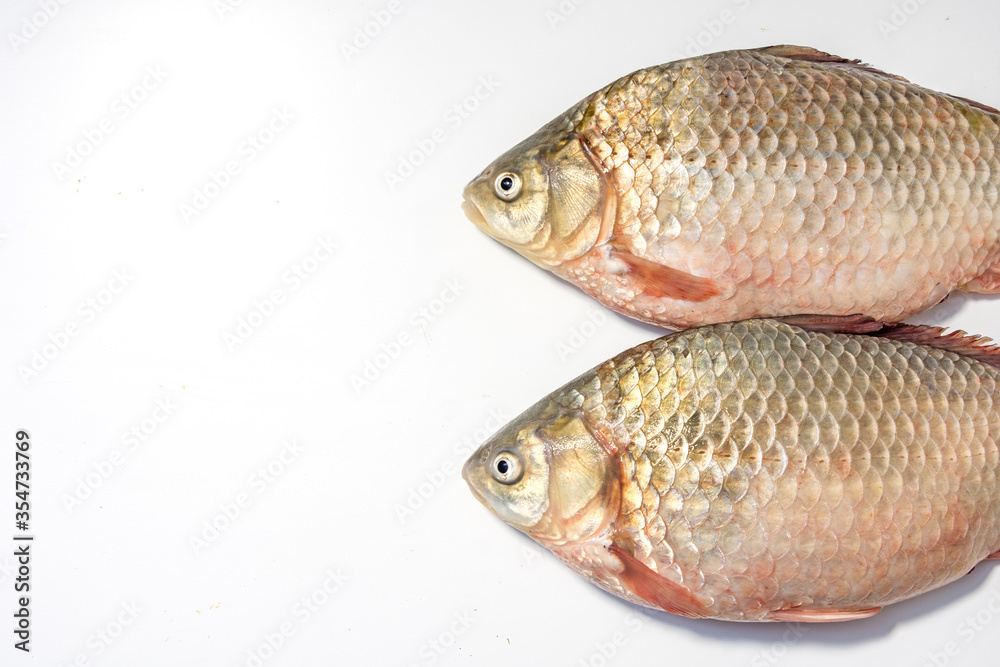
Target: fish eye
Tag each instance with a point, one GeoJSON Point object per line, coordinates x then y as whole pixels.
{"type": "Point", "coordinates": [507, 185]}
{"type": "Point", "coordinates": [507, 468]}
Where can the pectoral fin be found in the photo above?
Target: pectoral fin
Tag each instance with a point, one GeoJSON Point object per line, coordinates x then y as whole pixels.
{"type": "Point", "coordinates": [801, 615]}
{"type": "Point", "coordinates": [659, 280]}
{"type": "Point", "coordinates": [657, 590]}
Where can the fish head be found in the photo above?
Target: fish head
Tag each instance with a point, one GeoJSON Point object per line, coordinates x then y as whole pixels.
{"type": "Point", "coordinates": [548, 198]}
{"type": "Point", "coordinates": [551, 479]}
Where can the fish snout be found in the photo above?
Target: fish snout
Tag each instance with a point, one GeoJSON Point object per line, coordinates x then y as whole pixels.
{"type": "Point", "coordinates": [467, 474]}
{"type": "Point", "coordinates": [473, 212]}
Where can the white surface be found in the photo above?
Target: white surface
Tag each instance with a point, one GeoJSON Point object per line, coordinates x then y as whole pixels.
{"type": "Point", "coordinates": [447, 583]}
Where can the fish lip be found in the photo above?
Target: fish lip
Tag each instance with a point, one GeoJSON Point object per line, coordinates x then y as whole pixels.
{"type": "Point", "coordinates": [466, 476]}
{"type": "Point", "coordinates": [473, 213]}
{"type": "Point", "coordinates": [465, 471]}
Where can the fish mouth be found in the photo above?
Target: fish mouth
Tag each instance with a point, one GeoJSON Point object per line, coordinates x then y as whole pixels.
{"type": "Point", "coordinates": [473, 213]}
{"type": "Point", "coordinates": [466, 470]}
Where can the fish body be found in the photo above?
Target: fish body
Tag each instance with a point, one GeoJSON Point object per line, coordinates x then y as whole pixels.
{"type": "Point", "coordinates": [756, 183]}
{"type": "Point", "coordinates": [756, 471]}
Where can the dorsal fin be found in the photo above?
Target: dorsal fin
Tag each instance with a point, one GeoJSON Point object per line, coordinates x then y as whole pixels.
{"type": "Point", "coordinates": [806, 53]}
{"type": "Point", "coordinates": [980, 348]}
{"type": "Point", "coordinates": [812, 55]}
{"type": "Point", "coordinates": [972, 103]}
{"type": "Point", "coordinates": [854, 324]}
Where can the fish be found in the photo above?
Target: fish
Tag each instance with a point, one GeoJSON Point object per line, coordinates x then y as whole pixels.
{"type": "Point", "coordinates": [756, 183]}
{"type": "Point", "coordinates": [761, 471]}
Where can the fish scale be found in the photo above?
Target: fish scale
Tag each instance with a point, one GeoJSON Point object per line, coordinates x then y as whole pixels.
{"type": "Point", "coordinates": [780, 528]}
{"type": "Point", "coordinates": [793, 181]}
{"type": "Point", "coordinates": [761, 467]}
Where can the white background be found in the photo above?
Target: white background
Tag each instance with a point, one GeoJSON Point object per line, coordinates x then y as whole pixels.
{"type": "Point", "coordinates": [370, 493]}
